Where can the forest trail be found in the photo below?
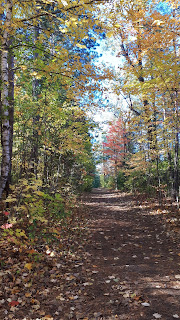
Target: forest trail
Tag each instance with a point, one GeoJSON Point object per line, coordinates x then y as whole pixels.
{"type": "Point", "coordinates": [117, 260]}
{"type": "Point", "coordinates": [135, 260]}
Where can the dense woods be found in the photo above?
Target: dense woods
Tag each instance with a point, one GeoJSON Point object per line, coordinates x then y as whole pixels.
{"type": "Point", "coordinates": [45, 62]}
{"type": "Point", "coordinates": [46, 50]}
{"type": "Point", "coordinates": [54, 79]}
{"type": "Point", "coordinates": [47, 68]}
{"type": "Point", "coordinates": [49, 79]}
{"type": "Point", "coordinates": [148, 78]}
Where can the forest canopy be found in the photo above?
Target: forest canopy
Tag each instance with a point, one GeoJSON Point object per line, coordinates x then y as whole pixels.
{"type": "Point", "coordinates": [49, 79]}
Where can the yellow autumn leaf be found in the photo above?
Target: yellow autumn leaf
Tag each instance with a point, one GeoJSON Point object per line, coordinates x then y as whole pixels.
{"type": "Point", "coordinates": [28, 266]}
{"type": "Point", "coordinates": [157, 22]}
{"type": "Point", "coordinates": [23, 67]}
{"type": "Point", "coordinates": [82, 46]}
{"type": "Point", "coordinates": [109, 34]}
{"type": "Point", "coordinates": [117, 25]}
{"type": "Point", "coordinates": [9, 199]}
{"type": "Point", "coordinates": [34, 73]}
{"type": "Point", "coordinates": [62, 30]}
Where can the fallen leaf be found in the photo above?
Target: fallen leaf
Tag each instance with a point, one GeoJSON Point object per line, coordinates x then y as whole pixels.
{"type": "Point", "coordinates": [137, 298]}
{"type": "Point", "coordinates": [73, 297]}
{"type": "Point", "coordinates": [32, 251]}
{"type": "Point", "coordinates": [28, 294]}
{"type": "Point", "coordinates": [145, 304]}
{"type": "Point", "coordinates": [157, 315]}
{"type": "Point", "coordinates": [28, 285]}
{"type": "Point", "coordinates": [2, 301]}
{"type": "Point", "coordinates": [87, 284]}
{"type": "Point", "coordinates": [36, 306]}
{"type": "Point", "coordinates": [13, 303]}
{"type": "Point", "coordinates": [28, 266]}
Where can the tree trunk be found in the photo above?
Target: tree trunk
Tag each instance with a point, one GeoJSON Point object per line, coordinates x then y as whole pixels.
{"type": "Point", "coordinates": [11, 107]}
{"type": "Point", "coordinates": [176, 158]}
{"type": "Point", "coordinates": [5, 104]}
{"type": "Point", "coordinates": [176, 104]}
{"type": "Point", "coordinates": [35, 142]}
{"type": "Point", "coordinates": [116, 175]}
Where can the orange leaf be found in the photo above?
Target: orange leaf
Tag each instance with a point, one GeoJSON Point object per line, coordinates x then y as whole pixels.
{"type": "Point", "coordinates": [27, 294]}
{"type": "Point", "coordinates": [32, 251]}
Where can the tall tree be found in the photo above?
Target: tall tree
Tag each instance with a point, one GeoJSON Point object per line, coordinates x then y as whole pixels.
{"type": "Point", "coordinates": [47, 58]}
{"type": "Point", "coordinates": [6, 136]}
{"type": "Point", "coordinates": [147, 38]}
{"type": "Point", "coordinates": [114, 148]}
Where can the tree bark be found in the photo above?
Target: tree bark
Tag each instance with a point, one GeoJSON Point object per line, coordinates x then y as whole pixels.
{"type": "Point", "coordinates": [176, 105]}
{"type": "Point", "coordinates": [5, 104]}
{"type": "Point", "coordinates": [176, 156]}
{"type": "Point", "coordinates": [11, 107]}
{"type": "Point", "coordinates": [35, 142]}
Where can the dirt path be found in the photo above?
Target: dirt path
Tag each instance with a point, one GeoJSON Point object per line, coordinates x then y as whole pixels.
{"type": "Point", "coordinates": [123, 264]}
{"type": "Point", "coordinates": [133, 261]}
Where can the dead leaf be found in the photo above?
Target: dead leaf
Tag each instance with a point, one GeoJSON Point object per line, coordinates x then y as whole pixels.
{"type": "Point", "coordinates": [157, 315]}
{"type": "Point", "coordinates": [28, 294]}
{"type": "Point", "coordinates": [28, 266]}
{"type": "Point", "coordinates": [145, 304]}
{"type": "Point", "coordinates": [87, 284]}
{"type": "Point", "coordinates": [14, 303]}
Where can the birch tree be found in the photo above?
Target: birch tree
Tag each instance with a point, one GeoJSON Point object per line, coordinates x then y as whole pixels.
{"type": "Point", "coordinates": [6, 137]}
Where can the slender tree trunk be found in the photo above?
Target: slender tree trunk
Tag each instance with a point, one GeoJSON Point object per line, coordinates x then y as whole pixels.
{"type": "Point", "coordinates": [5, 122]}
{"type": "Point", "coordinates": [116, 175]}
{"type": "Point", "coordinates": [45, 156]}
{"type": "Point", "coordinates": [35, 142]}
{"type": "Point", "coordinates": [170, 172]}
{"type": "Point", "coordinates": [141, 79]}
{"type": "Point", "coordinates": [176, 104]}
{"type": "Point", "coordinates": [176, 157]}
{"type": "Point", "coordinates": [11, 107]}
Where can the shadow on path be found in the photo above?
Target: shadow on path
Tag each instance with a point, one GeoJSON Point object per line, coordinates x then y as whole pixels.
{"type": "Point", "coordinates": [135, 261]}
